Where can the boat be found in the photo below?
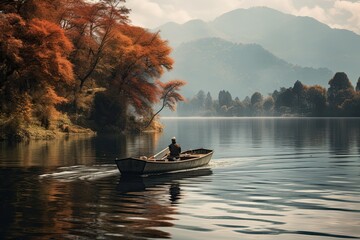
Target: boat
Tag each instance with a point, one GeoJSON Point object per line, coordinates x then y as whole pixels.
{"type": "Point", "coordinates": [159, 163]}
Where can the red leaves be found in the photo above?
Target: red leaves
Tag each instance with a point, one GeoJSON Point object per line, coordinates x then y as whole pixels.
{"type": "Point", "coordinates": [40, 50]}
{"type": "Point", "coordinates": [51, 48]}
{"type": "Point", "coordinates": [34, 58]}
{"type": "Point", "coordinates": [169, 95]}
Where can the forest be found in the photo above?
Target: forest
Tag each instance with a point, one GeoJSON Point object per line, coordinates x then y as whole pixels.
{"type": "Point", "coordinates": [341, 99]}
{"type": "Point", "coordinates": [75, 65]}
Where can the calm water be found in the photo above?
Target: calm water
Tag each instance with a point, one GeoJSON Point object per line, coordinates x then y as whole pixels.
{"type": "Point", "coordinates": [268, 179]}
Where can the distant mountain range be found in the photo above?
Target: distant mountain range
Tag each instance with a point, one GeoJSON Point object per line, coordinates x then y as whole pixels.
{"type": "Point", "coordinates": [259, 49]}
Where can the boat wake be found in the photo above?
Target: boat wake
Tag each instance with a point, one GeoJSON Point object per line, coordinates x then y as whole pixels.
{"type": "Point", "coordinates": [81, 172]}
{"type": "Point", "coordinates": [233, 161]}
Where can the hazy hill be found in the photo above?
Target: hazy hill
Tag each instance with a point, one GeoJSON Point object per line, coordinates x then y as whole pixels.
{"type": "Point", "coordinates": [299, 40]}
{"type": "Point", "coordinates": [213, 64]}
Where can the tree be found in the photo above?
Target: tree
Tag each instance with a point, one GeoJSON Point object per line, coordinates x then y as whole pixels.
{"type": "Point", "coordinates": [52, 50]}
{"type": "Point", "coordinates": [238, 108]}
{"type": "Point", "coordinates": [92, 27]}
{"type": "Point", "coordinates": [340, 90]}
{"type": "Point", "coordinates": [285, 101]}
{"type": "Point", "coordinates": [316, 98]}
{"type": "Point", "coordinates": [209, 105]}
{"type": "Point", "coordinates": [299, 91]}
{"type": "Point", "coordinates": [351, 107]}
{"type": "Point", "coordinates": [169, 96]}
{"type": "Point", "coordinates": [256, 104]}
{"type": "Point", "coordinates": [358, 85]}
{"type": "Point", "coordinates": [268, 104]}
{"type": "Point", "coordinates": [34, 67]}
{"type": "Point", "coordinates": [137, 60]}
{"type": "Point", "coordinates": [256, 98]}
{"type": "Point", "coordinates": [225, 98]}
{"type": "Point", "coordinates": [199, 101]}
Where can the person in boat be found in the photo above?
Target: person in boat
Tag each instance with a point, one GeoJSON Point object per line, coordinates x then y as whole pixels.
{"type": "Point", "coordinates": [174, 149]}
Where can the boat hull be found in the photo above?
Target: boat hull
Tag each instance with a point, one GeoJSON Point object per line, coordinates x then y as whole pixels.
{"type": "Point", "coordinates": [137, 166]}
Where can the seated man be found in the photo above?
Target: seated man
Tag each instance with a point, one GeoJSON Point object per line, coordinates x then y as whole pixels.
{"type": "Point", "coordinates": [175, 150]}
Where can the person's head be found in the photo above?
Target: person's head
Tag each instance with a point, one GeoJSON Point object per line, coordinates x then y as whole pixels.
{"type": "Point", "coordinates": [173, 140]}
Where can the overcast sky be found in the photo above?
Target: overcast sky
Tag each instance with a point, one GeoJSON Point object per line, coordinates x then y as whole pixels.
{"type": "Point", "coordinates": [153, 13]}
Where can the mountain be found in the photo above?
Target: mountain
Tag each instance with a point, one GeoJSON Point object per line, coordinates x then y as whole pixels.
{"type": "Point", "coordinates": [302, 41]}
{"type": "Point", "coordinates": [213, 64]}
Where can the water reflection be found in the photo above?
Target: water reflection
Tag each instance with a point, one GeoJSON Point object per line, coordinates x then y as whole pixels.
{"type": "Point", "coordinates": [135, 208]}
{"type": "Point", "coordinates": [142, 183]}
{"type": "Point", "coordinates": [269, 178]}
{"type": "Point", "coordinates": [77, 150]}
{"type": "Point", "coordinates": [234, 137]}
{"type": "Point", "coordinates": [154, 199]}
{"type": "Point", "coordinates": [339, 135]}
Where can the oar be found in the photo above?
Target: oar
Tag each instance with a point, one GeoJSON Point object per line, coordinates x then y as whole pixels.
{"type": "Point", "coordinates": [162, 153]}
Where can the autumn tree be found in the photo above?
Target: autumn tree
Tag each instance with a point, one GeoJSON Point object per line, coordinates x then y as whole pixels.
{"type": "Point", "coordinates": [169, 96]}
{"type": "Point", "coordinates": [46, 45]}
{"type": "Point", "coordinates": [137, 61]}
{"type": "Point", "coordinates": [34, 68]}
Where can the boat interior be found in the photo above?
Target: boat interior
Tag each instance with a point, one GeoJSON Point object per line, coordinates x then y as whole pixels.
{"type": "Point", "coordinates": [190, 154]}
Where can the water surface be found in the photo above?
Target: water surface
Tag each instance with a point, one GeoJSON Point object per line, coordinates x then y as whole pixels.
{"type": "Point", "coordinates": [268, 179]}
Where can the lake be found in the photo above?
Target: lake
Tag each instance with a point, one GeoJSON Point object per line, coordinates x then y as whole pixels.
{"type": "Point", "coordinates": [270, 178]}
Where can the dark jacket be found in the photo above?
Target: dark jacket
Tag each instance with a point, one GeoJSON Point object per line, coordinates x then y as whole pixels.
{"type": "Point", "coordinates": [175, 150]}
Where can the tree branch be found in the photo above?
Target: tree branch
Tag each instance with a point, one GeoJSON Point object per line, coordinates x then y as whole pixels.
{"type": "Point", "coordinates": [164, 104]}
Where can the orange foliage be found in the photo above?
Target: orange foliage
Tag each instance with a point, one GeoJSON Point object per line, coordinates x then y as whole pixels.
{"type": "Point", "coordinates": [33, 63]}
{"type": "Point", "coordinates": [51, 48]}
{"type": "Point", "coordinates": [169, 94]}
{"type": "Point", "coordinates": [48, 46]}
{"type": "Point", "coordinates": [138, 58]}
{"type": "Point", "coordinates": [90, 27]}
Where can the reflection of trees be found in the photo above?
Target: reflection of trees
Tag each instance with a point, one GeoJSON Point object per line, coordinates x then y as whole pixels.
{"type": "Point", "coordinates": [304, 132]}
{"type": "Point", "coordinates": [78, 150]}
{"type": "Point", "coordinates": [339, 133]}
{"type": "Point", "coordinates": [67, 150]}
{"type": "Point", "coordinates": [343, 133]}
{"type": "Point", "coordinates": [134, 210]}
{"type": "Point", "coordinates": [47, 209]}
{"type": "Point", "coordinates": [122, 146]}
{"type": "Point", "coordinates": [199, 136]}
{"type": "Point", "coordinates": [32, 209]}
{"type": "Point", "coordinates": [257, 127]}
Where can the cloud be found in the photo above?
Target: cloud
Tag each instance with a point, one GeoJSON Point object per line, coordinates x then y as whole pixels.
{"type": "Point", "coordinates": [316, 12]}
{"type": "Point", "coordinates": [353, 9]}
{"type": "Point", "coordinates": [153, 13]}
{"type": "Point", "coordinates": [286, 6]}
{"type": "Point", "coordinates": [150, 14]}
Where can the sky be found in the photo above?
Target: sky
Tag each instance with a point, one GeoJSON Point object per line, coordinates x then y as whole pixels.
{"type": "Point", "coordinates": [150, 14]}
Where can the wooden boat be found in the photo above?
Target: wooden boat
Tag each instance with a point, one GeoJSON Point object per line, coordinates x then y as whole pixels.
{"type": "Point", "coordinates": [160, 164]}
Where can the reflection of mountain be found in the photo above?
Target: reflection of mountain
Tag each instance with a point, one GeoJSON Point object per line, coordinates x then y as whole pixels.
{"type": "Point", "coordinates": [213, 64]}
{"type": "Point", "coordinates": [299, 40]}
